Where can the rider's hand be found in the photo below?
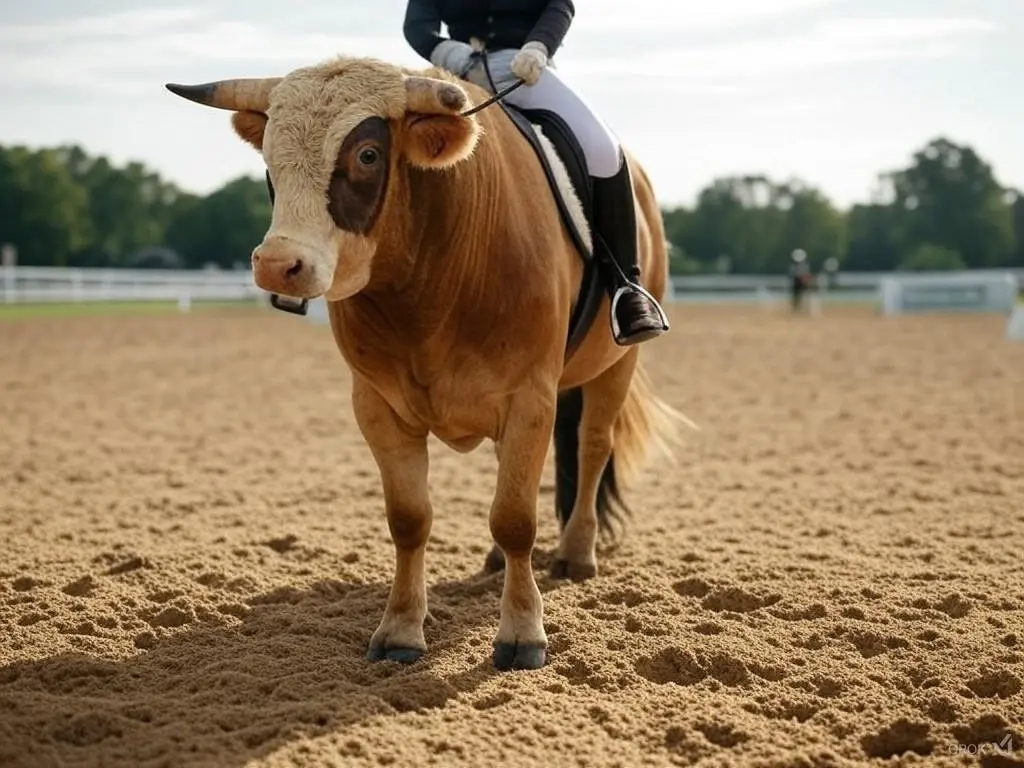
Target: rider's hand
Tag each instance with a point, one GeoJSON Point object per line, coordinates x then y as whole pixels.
{"type": "Point", "coordinates": [453, 55]}
{"type": "Point", "coordinates": [530, 61]}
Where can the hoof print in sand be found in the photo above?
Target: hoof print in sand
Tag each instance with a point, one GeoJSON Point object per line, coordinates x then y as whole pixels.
{"type": "Point", "coordinates": [671, 665]}
{"type": "Point", "coordinates": [399, 655]}
{"type": "Point", "coordinates": [26, 584]}
{"type": "Point", "coordinates": [417, 694]}
{"type": "Point", "coordinates": [127, 566]}
{"type": "Point", "coordinates": [728, 599]}
{"type": "Point", "coordinates": [995, 684]}
{"type": "Point", "coordinates": [900, 737]}
{"type": "Point", "coordinates": [722, 734]}
{"type": "Point", "coordinates": [82, 587]}
{"type": "Point", "coordinates": [170, 617]}
{"type": "Point", "coordinates": [691, 587]}
{"type": "Point", "coordinates": [708, 628]}
{"type": "Point", "coordinates": [737, 600]}
{"type": "Point", "coordinates": [282, 544]}
{"type": "Point", "coordinates": [873, 644]}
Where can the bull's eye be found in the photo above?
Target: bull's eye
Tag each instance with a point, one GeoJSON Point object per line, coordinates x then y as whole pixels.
{"type": "Point", "coordinates": [368, 156]}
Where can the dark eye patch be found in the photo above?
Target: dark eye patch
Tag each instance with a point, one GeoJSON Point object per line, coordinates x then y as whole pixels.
{"type": "Point", "coordinates": [360, 176]}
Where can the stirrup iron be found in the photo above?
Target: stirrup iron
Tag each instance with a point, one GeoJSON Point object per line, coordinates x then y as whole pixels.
{"type": "Point", "coordinates": [628, 286]}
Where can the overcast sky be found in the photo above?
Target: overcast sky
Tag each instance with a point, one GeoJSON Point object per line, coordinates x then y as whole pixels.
{"type": "Point", "coordinates": [831, 91]}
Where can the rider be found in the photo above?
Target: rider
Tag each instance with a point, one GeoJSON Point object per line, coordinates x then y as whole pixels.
{"type": "Point", "coordinates": [521, 38]}
{"type": "Point", "coordinates": [800, 277]}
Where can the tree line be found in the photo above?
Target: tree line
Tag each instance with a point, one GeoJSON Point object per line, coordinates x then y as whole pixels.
{"type": "Point", "coordinates": [944, 210]}
{"type": "Point", "coordinates": [63, 207]}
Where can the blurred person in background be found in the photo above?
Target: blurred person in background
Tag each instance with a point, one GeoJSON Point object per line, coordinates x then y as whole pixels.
{"type": "Point", "coordinates": [800, 278]}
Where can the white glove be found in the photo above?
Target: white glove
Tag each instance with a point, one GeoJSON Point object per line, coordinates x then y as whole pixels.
{"type": "Point", "coordinates": [452, 55]}
{"type": "Point", "coordinates": [530, 61]}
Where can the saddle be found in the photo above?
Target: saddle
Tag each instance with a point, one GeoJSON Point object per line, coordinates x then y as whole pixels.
{"type": "Point", "coordinates": [562, 152]}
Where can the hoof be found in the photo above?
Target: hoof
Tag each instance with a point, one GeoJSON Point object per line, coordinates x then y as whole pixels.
{"type": "Point", "coordinates": [514, 656]}
{"type": "Point", "coordinates": [495, 562]}
{"type": "Point", "coordinates": [401, 655]}
{"type": "Point", "coordinates": [563, 569]}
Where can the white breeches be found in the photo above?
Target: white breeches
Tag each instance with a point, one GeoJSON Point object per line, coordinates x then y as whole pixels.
{"type": "Point", "coordinates": [551, 92]}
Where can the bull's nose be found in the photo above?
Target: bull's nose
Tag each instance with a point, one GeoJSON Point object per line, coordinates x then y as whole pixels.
{"type": "Point", "coordinates": [286, 266]}
{"type": "Point", "coordinates": [291, 271]}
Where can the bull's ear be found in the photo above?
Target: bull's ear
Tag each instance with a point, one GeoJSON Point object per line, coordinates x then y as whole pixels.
{"type": "Point", "coordinates": [436, 134]}
{"type": "Point", "coordinates": [439, 141]}
{"type": "Point", "coordinates": [250, 127]}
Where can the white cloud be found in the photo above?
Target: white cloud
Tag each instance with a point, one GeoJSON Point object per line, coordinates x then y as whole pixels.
{"type": "Point", "coordinates": [901, 29]}
{"type": "Point", "coordinates": [600, 15]}
{"type": "Point", "coordinates": [846, 41]}
{"type": "Point", "coordinates": [127, 53]}
{"type": "Point", "coordinates": [134, 23]}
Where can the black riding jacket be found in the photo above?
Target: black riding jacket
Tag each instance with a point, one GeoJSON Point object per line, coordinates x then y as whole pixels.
{"type": "Point", "coordinates": [499, 23]}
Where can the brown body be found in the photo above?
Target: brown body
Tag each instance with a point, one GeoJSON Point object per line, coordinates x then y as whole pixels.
{"type": "Point", "coordinates": [450, 278]}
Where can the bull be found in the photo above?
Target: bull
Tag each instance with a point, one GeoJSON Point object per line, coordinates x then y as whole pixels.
{"type": "Point", "coordinates": [452, 278]}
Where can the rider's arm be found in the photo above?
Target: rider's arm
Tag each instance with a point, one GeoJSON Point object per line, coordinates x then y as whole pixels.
{"type": "Point", "coordinates": [552, 25]}
{"type": "Point", "coordinates": [422, 27]}
{"type": "Point", "coordinates": [422, 30]}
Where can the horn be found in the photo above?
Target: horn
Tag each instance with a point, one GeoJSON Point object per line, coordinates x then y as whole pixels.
{"type": "Point", "coordinates": [245, 94]}
{"type": "Point", "coordinates": [434, 97]}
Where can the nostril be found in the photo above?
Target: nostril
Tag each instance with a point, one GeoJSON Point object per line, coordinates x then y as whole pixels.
{"type": "Point", "coordinates": [294, 269]}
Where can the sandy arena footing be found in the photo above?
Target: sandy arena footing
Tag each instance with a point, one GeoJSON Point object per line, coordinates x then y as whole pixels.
{"type": "Point", "coordinates": [193, 555]}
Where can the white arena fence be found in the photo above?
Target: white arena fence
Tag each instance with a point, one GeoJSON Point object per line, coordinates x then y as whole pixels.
{"type": "Point", "coordinates": [958, 292]}
{"type": "Point", "coordinates": [24, 285]}
{"type": "Point", "coordinates": [893, 293]}
{"type": "Point", "coordinates": [846, 282]}
{"type": "Point", "coordinates": [979, 290]}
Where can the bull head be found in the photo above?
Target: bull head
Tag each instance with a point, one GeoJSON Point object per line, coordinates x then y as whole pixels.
{"type": "Point", "coordinates": [313, 249]}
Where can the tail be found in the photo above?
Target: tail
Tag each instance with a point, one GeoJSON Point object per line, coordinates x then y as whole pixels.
{"type": "Point", "coordinates": [645, 422]}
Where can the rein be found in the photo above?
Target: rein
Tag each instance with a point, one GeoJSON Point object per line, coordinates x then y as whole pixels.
{"type": "Point", "coordinates": [301, 306]}
{"type": "Point", "coordinates": [498, 95]}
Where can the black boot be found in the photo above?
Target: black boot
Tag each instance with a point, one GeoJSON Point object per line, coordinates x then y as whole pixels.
{"type": "Point", "coordinates": [635, 314]}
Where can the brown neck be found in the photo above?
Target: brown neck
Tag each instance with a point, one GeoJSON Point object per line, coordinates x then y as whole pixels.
{"type": "Point", "coordinates": [433, 262]}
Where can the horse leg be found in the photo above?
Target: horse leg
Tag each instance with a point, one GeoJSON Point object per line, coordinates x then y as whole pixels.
{"type": "Point", "coordinates": [401, 456]}
{"type": "Point", "coordinates": [603, 400]}
{"type": "Point", "coordinates": [521, 642]}
{"type": "Point", "coordinates": [495, 560]}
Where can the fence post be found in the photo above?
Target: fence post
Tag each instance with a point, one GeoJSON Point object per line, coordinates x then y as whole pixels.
{"type": "Point", "coordinates": [76, 286]}
{"type": "Point", "coordinates": [8, 262]}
